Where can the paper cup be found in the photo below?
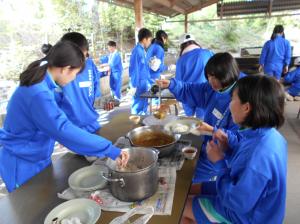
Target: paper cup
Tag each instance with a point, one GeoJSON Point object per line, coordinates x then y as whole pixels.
{"type": "Point", "coordinates": [189, 152]}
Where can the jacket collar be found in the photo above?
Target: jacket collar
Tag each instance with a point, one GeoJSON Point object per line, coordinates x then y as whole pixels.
{"type": "Point", "coordinates": [50, 82]}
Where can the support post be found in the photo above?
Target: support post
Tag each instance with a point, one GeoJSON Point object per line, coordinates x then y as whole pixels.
{"type": "Point", "coordinates": [186, 23]}
{"type": "Point", "coordinates": [138, 11]}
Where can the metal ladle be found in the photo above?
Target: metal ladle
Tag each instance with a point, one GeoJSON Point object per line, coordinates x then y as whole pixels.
{"type": "Point", "coordinates": [159, 114]}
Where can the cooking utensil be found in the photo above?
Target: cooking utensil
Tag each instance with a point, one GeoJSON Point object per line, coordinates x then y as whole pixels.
{"type": "Point", "coordinates": [159, 114]}
{"type": "Point", "coordinates": [87, 179]}
{"type": "Point", "coordinates": [88, 211]}
{"type": "Point", "coordinates": [138, 183]}
{"type": "Point", "coordinates": [165, 148]}
{"type": "Point", "coordinates": [148, 212]}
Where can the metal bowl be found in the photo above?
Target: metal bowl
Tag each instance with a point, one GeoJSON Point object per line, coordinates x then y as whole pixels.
{"type": "Point", "coordinates": [141, 132]}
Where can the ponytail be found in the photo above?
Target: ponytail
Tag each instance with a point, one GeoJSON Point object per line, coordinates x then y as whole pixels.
{"type": "Point", "coordinates": [159, 38]}
{"type": "Point", "coordinates": [33, 74]}
{"type": "Point", "coordinates": [62, 54]}
{"type": "Point", "coordinates": [277, 30]}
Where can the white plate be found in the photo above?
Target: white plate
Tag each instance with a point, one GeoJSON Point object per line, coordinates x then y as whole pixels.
{"type": "Point", "coordinates": [151, 120]}
{"type": "Point", "coordinates": [88, 178]}
{"type": "Point", "coordinates": [88, 211]}
{"type": "Point", "coordinates": [190, 123]}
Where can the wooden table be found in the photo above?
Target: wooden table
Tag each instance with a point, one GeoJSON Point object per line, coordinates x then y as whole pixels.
{"type": "Point", "coordinates": [31, 203]}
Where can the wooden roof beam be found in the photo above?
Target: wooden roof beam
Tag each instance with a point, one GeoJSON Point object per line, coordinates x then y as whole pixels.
{"type": "Point", "coordinates": [202, 5]}
{"type": "Point", "coordinates": [170, 4]}
{"type": "Point", "coordinates": [130, 5]}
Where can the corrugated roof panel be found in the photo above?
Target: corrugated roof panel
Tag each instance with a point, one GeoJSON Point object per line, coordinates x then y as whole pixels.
{"type": "Point", "coordinates": [234, 7]}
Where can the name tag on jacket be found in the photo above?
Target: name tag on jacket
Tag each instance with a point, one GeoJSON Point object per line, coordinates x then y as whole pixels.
{"type": "Point", "coordinates": [85, 84]}
{"type": "Point", "coordinates": [217, 114]}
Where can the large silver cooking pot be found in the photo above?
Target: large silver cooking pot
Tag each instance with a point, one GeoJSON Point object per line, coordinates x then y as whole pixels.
{"type": "Point", "coordinates": [161, 139]}
{"type": "Point", "coordinates": [139, 180]}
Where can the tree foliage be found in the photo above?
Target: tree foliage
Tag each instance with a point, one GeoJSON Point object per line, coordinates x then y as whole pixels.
{"type": "Point", "coordinates": [25, 25]}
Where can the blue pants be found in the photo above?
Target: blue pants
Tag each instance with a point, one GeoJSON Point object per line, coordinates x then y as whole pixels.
{"type": "Point", "coordinates": [209, 190]}
{"type": "Point", "coordinates": [139, 106]}
{"type": "Point", "coordinates": [115, 82]}
{"type": "Point", "coordinates": [191, 111]}
{"type": "Point", "coordinates": [198, 213]}
{"type": "Point", "coordinates": [273, 71]}
{"type": "Point", "coordinates": [204, 170]}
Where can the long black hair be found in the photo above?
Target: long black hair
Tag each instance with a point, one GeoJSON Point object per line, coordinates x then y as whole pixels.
{"type": "Point", "coordinates": [160, 34]}
{"type": "Point", "coordinates": [224, 68]}
{"type": "Point", "coordinates": [266, 98]}
{"type": "Point", "coordinates": [186, 44]}
{"type": "Point", "coordinates": [277, 30]}
{"type": "Point", "coordinates": [62, 54]}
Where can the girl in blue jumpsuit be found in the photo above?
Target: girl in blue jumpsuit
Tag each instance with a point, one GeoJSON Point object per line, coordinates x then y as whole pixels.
{"type": "Point", "coordinates": [276, 55]}
{"type": "Point", "coordinates": [293, 78]}
{"type": "Point", "coordinates": [139, 72]}
{"type": "Point", "coordinates": [34, 121]}
{"type": "Point", "coordinates": [213, 97]}
{"type": "Point", "coordinates": [190, 68]}
{"type": "Point", "coordinates": [116, 70]}
{"type": "Point", "coordinates": [251, 188]}
{"type": "Point", "coordinates": [157, 49]}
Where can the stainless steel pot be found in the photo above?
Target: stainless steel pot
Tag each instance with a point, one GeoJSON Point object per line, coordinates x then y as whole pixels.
{"type": "Point", "coordinates": [137, 182]}
{"type": "Point", "coordinates": [164, 149]}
